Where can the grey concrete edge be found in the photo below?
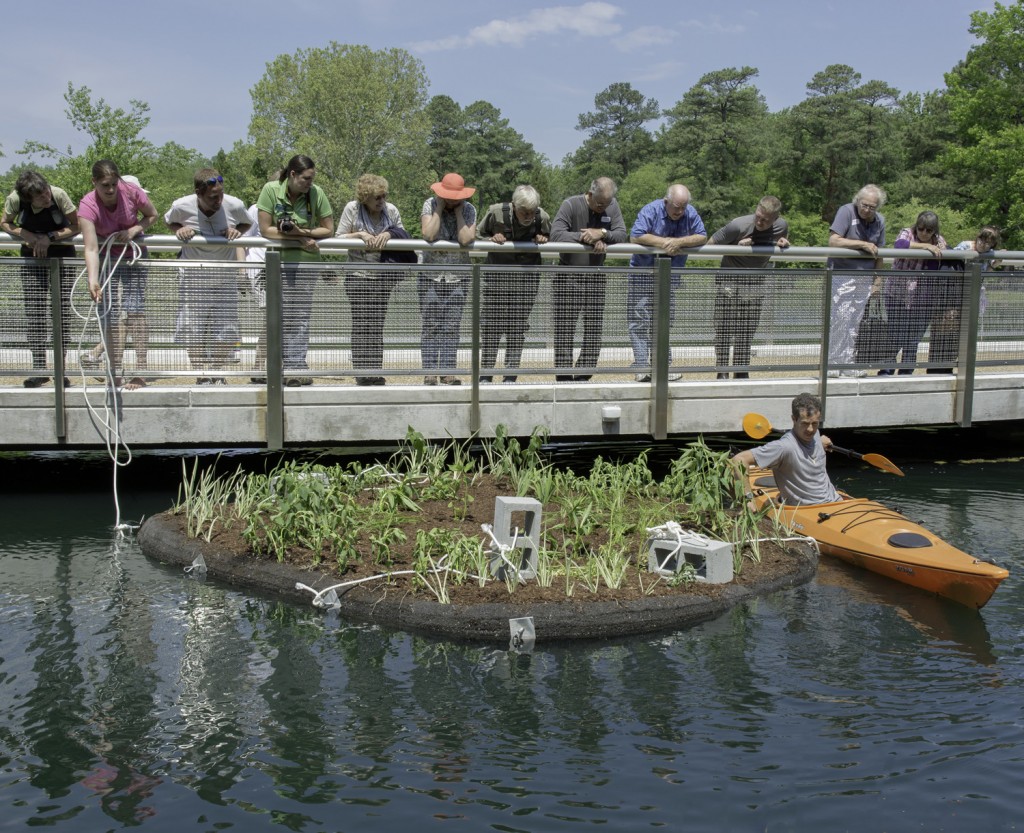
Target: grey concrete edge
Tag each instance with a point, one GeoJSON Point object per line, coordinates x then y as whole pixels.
{"type": "Point", "coordinates": [574, 619]}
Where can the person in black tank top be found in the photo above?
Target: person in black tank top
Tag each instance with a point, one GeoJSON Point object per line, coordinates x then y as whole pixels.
{"type": "Point", "coordinates": [45, 219]}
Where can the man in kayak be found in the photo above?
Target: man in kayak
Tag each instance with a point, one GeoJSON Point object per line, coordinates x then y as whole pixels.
{"type": "Point", "coordinates": [797, 458]}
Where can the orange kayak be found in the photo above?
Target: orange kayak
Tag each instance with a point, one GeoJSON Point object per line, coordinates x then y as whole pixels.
{"type": "Point", "coordinates": [869, 534]}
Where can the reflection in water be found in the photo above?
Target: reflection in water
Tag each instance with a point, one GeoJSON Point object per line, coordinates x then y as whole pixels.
{"type": "Point", "coordinates": [137, 695]}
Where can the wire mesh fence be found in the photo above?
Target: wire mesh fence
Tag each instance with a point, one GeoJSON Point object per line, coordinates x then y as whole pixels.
{"type": "Point", "coordinates": [192, 322]}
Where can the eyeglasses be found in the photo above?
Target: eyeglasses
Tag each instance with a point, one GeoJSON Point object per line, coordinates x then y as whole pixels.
{"type": "Point", "coordinates": [868, 206]}
{"type": "Point", "coordinates": [925, 228]}
{"type": "Point", "coordinates": [215, 180]}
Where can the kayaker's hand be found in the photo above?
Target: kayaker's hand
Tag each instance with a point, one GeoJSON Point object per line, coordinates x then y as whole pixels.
{"type": "Point", "coordinates": [826, 443]}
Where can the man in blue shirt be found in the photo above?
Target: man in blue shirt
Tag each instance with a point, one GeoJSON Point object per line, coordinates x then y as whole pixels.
{"type": "Point", "coordinates": [672, 225]}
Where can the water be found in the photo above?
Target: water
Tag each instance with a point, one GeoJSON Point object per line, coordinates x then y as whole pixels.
{"type": "Point", "coordinates": [134, 695]}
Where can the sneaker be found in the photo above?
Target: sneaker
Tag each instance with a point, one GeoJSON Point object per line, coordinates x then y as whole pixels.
{"type": "Point", "coordinates": [430, 381]}
{"type": "Point", "coordinates": [257, 380]}
{"type": "Point", "coordinates": [34, 382]}
{"type": "Point", "coordinates": [833, 374]}
{"type": "Point", "coordinates": [88, 360]}
{"type": "Point", "coordinates": [642, 377]}
{"type": "Point", "coordinates": [675, 377]}
{"type": "Point", "coordinates": [451, 380]}
{"type": "Point", "coordinates": [204, 380]}
{"type": "Point", "coordinates": [853, 374]}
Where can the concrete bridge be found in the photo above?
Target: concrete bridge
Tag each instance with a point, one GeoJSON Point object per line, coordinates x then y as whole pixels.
{"type": "Point", "coordinates": [683, 395]}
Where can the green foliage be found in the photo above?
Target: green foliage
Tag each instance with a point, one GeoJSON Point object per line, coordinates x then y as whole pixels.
{"type": "Point", "coordinates": [595, 526]}
{"type": "Point", "coordinates": [645, 184]}
{"type": "Point", "coordinates": [617, 140]}
{"type": "Point", "coordinates": [353, 110]}
{"type": "Point", "coordinates": [713, 139]}
{"type": "Point", "coordinates": [835, 141]}
{"type": "Point", "coordinates": [986, 104]}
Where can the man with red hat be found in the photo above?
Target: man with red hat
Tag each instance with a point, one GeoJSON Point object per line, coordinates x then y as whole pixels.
{"type": "Point", "coordinates": [450, 217]}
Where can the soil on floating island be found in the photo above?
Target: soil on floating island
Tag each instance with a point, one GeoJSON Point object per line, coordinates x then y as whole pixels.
{"type": "Point", "coordinates": [642, 604]}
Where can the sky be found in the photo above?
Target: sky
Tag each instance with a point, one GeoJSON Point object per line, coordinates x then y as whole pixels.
{"type": "Point", "coordinates": [541, 64]}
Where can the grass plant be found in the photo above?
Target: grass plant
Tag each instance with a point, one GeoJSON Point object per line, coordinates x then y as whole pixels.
{"type": "Point", "coordinates": [593, 530]}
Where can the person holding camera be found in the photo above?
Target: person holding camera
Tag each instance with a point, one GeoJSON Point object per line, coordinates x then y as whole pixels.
{"type": "Point", "coordinates": [297, 213]}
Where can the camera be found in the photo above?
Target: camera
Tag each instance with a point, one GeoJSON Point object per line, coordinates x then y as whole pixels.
{"type": "Point", "coordinates": [285, 225]}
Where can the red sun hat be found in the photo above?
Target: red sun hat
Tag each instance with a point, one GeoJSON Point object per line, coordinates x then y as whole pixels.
{"type": "Point", "coordinates": [452, 187]}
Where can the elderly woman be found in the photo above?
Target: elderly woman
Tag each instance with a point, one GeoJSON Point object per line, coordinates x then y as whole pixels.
{"type": "Point", "coordinates": [119, 211]}
{"type": "Point", "coordinates": [910, 299]}
{"type": "Point", "coordinates": [296, 213]}
{"type": "Point", "coordinates": [509, 294]}
{"type": "Point", "coordinates": [372, 219]}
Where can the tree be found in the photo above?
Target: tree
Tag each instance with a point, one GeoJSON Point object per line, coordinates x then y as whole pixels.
{"type": "Point", "coordinates": [838, 139]}
{"type": "Point", "coordinates": [494, 156]}
{"type": "Point", "coordinates": [446, 125]}
{"type": "Point", "coordinates": [115, 134]}
{"type": "Point", "coordinates": [618, 140]}
{"type": "Point", "coordinates": [353, 110]}
{"type": "Point", "coordinates": [986, 103]}
{"type": "Point", "coordinates": [714, 142]}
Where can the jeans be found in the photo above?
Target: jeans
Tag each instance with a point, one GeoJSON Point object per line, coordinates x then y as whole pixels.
{"type": "Point", "coordinates": [297, 287]}
{"type": "Point", "coordinates": [640, 315]}
{"type": "Point", "coordinates": [441, 305]}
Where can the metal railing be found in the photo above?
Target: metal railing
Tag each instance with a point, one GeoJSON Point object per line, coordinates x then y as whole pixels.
{"type": "Point", "coordinates": [347, 322]}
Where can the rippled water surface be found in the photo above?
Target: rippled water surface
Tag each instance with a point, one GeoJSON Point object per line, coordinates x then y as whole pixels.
{"type": "Point", "coordinates": [134, 695]}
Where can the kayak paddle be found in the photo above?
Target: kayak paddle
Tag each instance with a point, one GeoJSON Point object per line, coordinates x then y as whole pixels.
{"type": "Point", "coordinates": [758, 427]}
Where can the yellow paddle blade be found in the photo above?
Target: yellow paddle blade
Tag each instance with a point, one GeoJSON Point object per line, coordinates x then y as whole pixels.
{"type": "Point", "coordinates": [756, 426]}
{"type": "Point", "coordinates": [883, 463]}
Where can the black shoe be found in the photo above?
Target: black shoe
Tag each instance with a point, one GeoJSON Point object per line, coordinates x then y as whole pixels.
{"type": "Point", "coordinates": [298, 382]}
{"type": "Point", "coordinates": [257, 380]}
{"type": "Point", "coordinates": [509, 380]}
{"type": "Point", "coordinates": [563, 378]}
{"type": "Point", "coordinates": [204, 380]}
{"type": "Point", "coordinates": [378, 381]}
{"type": "Point", "coordinates": [34, 382]}
{"type": "Point", "coordinates": [486, 380]}
{"type": "Point", "coordinates": [364, 381]}
{"type": "Point", "coordinates": [67, 382]}
{"type": "Point", "coordinates": [585, 378]}
{"type": "Point", "coordinates": [739, 374]}
{"type": "Point", "coordinates": [721, 376]}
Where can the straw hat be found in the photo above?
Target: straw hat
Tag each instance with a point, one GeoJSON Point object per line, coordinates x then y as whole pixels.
{"type": "Point", "coordinates": [452, 187]}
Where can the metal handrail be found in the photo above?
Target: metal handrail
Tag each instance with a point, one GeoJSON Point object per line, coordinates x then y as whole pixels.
{"type": "Point", "coordinates": [798, 254]}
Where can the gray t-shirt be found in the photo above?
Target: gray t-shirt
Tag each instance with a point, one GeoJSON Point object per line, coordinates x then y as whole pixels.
{"type": "Point", "coordinates": [799, 469]}
{"type": "Point", "coordinates": [848, 224]}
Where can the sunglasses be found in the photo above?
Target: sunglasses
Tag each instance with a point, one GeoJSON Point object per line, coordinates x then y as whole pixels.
{"type": "Point", "coordinates": [215, 180]}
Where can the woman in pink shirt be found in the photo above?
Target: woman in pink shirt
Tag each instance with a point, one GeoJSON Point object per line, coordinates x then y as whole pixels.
{"type": "Point", "coordinates": [112, 210]}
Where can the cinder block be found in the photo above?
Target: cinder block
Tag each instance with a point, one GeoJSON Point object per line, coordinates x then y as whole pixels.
{"type": "Point", "coordinates": [517, 521]}
{"type": "Point", "coordinates": [712, 560]}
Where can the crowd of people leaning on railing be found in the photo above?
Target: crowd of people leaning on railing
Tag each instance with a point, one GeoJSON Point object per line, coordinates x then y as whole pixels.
{"type": "Point", "coordinates": [872, 322]}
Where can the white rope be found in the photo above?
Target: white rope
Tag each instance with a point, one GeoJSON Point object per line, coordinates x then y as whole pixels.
{"type": "Point", "coordinates": [502, 550]}
{"type": "Point", "coordinates": [107, 423]}
{"type": "Point", "coordinates": [318, 595]}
